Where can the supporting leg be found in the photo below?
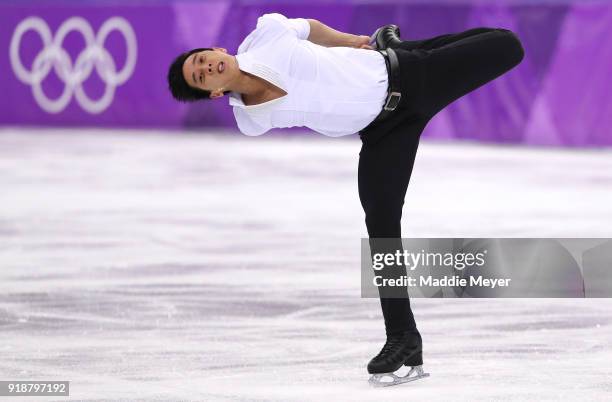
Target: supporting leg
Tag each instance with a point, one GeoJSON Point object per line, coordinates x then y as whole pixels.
{"type": "Point", "coordinates": [384, 173]}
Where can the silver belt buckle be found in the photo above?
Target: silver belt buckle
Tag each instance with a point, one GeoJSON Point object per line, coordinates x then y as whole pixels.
{"type": "Point", "coordinates": [392, 101]}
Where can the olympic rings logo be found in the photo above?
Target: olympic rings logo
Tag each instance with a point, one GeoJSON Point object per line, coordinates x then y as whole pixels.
{"type": "Point", "coordinates": [94, 55]}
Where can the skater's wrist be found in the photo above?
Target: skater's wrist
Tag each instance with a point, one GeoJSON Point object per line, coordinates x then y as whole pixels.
{"type": "Point", "coordinates": [323, 35]}
{"type": "Point", "coordinates": [360, 42]}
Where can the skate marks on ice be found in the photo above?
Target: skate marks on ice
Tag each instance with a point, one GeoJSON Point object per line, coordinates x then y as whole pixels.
{"type": "Point", "coordinates": [184, 267]}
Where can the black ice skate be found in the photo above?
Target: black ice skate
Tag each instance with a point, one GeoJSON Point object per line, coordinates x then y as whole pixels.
{"type": "Point", "coordinates": [385, 36]}
{"type": "Point", "coordinates": [400, 350]}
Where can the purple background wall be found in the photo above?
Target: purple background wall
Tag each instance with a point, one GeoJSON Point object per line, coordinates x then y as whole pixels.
{"type": "Point", "coordinates": [560, 94]}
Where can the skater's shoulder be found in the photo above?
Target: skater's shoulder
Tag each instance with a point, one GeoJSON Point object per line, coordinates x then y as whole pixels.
{"type": "Point", "coordinates": [273, 27]}
{"type": "Point", "coordinates": [299, 27]}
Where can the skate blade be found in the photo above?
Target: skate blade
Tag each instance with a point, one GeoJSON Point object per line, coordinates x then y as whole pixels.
{"type": "Point", "coordinates": [415, 373]}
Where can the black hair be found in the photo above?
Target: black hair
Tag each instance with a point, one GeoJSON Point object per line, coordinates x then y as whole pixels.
{"type": "Point", "coordinates": [180, 89]}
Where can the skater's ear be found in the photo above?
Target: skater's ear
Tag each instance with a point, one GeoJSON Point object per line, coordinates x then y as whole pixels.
{"type": "Point", "coordinates": [217, 93]}
{"type": "Point", "coordinates": [177, 84]}
{"type": "Point", "coordinates": [220, 49]}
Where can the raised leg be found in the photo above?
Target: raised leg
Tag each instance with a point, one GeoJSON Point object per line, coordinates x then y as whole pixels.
{"type": "Point", "coordinates": [440, 40]}
{"type": "Point", "coordinates": [456, 64]}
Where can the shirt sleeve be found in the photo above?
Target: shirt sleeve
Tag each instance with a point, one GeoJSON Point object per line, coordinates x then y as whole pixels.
{"type": "Point", "coordinates": [300, 27]}
{"type": "Point", "coordinates": [246, 125]}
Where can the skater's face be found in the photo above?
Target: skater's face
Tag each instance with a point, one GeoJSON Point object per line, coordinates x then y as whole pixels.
{"type": "Point", "coordinates": [210, 70]}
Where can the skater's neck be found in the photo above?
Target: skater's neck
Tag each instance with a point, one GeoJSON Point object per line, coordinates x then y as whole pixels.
{"type": "Point", "coordinates": [254, 89]}
{"type": "Point", "coordinates": [246, 84]}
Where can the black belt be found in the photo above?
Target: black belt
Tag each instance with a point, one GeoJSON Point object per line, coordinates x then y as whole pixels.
{"type": "Point", "coordinates": [394, 91]}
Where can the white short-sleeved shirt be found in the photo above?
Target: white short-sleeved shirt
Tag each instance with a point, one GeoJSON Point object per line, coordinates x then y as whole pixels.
{"type": "Point", "coordinates": [335, 91]}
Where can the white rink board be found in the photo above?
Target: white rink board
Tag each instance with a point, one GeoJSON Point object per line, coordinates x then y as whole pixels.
{"type": "Point", "coordinates": [173, 266]}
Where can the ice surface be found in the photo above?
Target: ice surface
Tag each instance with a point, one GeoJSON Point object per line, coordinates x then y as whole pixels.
{"type": "Point", "coordinates": [174, 266]}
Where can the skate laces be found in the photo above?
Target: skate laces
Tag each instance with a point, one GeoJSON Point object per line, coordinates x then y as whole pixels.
{"type": "Point", "coordinates": [390, 345]}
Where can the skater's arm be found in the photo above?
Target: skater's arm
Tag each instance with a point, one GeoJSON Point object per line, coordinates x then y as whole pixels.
{"type": "Point", "coordinates": [324, 35]}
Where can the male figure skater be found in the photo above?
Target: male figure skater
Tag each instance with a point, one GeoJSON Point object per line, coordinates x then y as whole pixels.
{"type": "Point", "coordinates": [300, 72]}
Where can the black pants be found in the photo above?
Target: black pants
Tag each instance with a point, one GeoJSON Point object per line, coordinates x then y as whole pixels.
{"type": "Point", "coordinates": [434, 73]}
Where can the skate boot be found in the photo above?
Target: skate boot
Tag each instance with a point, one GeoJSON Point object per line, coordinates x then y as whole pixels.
{"type": "Point", "coordinates": [386, 36]}
{"type": "Point", "coordinates": [404, 349]}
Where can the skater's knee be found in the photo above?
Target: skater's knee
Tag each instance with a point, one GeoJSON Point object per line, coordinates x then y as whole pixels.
{"type": "Point", "coordinates": [512, 46]}
{"type": "Point", "coordinates": [384, 222]}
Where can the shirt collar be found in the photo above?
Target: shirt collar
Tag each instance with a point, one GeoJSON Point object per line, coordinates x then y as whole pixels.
{"type": "Point", "coordinates": [245, 63]}
{"type": "Point", "coordinates": [235, 99]}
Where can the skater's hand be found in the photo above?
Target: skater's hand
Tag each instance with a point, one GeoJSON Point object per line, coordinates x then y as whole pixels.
{"type": "Point", "coordinates": [362, 42]}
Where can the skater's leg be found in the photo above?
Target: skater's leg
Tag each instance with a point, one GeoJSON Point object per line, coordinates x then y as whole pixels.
{"type": "Point", "coordinates": [441, 40]}
{"type": "Point", "coordinates": [464, 64]}
{"type": "Point", "coordinates": [442, 69]}
{"type": "Point", "coordinates": [384, 173]}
